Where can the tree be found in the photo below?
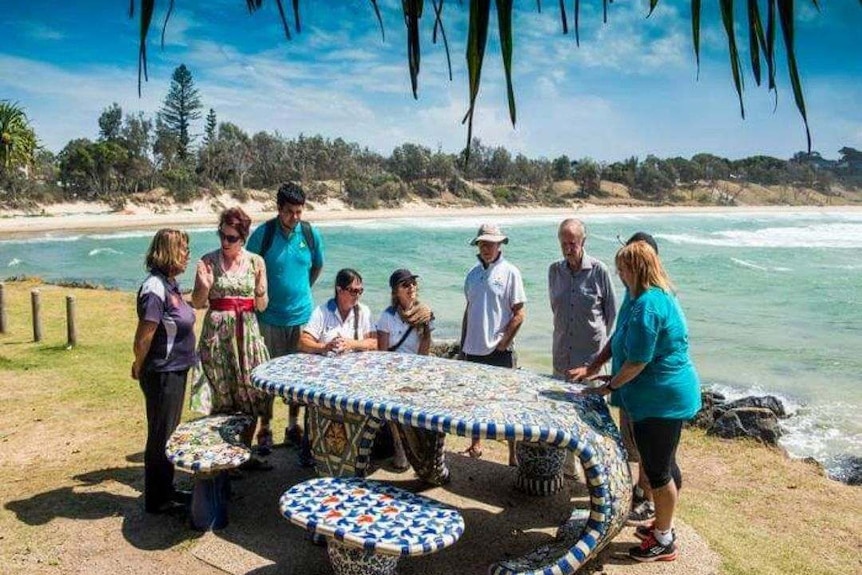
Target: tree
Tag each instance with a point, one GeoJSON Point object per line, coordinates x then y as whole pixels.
{"type": "Point", "coordinates": [780, 15]}
{"type": "Point", "coordinates": [210, 129]}
{"type": "Point", "coordinates": [181, 107]}
{"type": "Point", "coordinates": [110, 122]}
{"type": "Point", "coordinates": [588, 176]}
{"type": "Point", "coordinates": [562, 168]}
{"type": "Point", "coordinates": [410, 162]}
{"type": "Point", "coordinates": [18, 142]}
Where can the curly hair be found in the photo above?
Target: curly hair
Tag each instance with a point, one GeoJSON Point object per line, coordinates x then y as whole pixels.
{"type": "Point", "coordinates": [237, 219]}
{"type": "Point", "coordinates": [168, 253]}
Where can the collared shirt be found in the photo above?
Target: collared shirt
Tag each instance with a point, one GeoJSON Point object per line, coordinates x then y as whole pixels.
{"type": "Point", "coordinates": [583, 304]}
{"type": "Point", "coordinates": [326, 324]}
{"type": "Point", "coordinates": [491, 294]}
{"type": "Point", "coordinates": [173, 346]}
{"type": "Point", "coordinates": [288, 264]}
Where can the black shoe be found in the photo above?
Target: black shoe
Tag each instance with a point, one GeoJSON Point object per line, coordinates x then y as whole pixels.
{"type": "Point", "coordinates": [173, 508]}
{"type": "Point", "coordinates": [293, 436]}
{"type": "Point", "coordinates": [651, 550]}
{"type": "Point", "coordinates": [182, 496]}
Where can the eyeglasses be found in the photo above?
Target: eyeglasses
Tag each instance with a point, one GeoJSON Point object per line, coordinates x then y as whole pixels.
{"type": "Point", "coordinates": [228, 238]}
{"type": "Point", "coordinates": [353, 291]}
{"type": "Point", "coordinates": [407, 283]}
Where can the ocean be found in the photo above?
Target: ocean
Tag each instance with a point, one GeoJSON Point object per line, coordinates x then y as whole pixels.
{"type": "Point", "coordinates": [773, 300]}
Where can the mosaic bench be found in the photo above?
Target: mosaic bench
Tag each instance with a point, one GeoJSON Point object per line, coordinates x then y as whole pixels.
{"type": "Point", "coordinates": [208, 448]}
{"type": "Point", "coordinates": [369, 525]}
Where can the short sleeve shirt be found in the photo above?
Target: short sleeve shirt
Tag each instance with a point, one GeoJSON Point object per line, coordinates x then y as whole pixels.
{"type": "Point", "coordinates": [491, 294]}
{"type": "Point", "coordinates": [390, 323]}
{"type": "Point", "coordinates": [655, 332]}
{"type": "Point", "coordinates": [173, 347]}
{"type": "Point", "coordinates": [288, 264]}
{"type": "Point", "coordinates": [326, 324]}
{"type": "Point", "coordinates": [583, 304]}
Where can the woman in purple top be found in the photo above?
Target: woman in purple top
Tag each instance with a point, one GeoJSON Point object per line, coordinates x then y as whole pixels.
{"type": "Point", "coordinates": [164, 350]}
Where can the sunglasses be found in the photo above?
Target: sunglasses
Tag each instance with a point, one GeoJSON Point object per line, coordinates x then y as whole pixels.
{"type": "Point", "coordinates": [228, 238]}
{"type": "Point", "coordinates": [353, 291]}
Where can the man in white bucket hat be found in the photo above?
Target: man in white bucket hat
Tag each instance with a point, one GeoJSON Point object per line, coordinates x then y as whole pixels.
{"type": "Point", "coordinates": [495, 310]}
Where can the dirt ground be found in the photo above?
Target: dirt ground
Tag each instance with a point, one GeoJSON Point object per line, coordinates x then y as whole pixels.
{"type": "Point", "coordinates": [103, 529]}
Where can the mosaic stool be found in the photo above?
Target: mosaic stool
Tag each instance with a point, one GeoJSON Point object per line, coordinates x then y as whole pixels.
{"type": "Point", "coordinates": [369, 525]}
{"type": "Point", "coordinates": [208, 448]}
{"type": "Point", "coordinates": [540, 468]}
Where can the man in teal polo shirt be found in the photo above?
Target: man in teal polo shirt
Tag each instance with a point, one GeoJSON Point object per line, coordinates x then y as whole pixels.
{"type": "Point", "coordinates": [293, 252]}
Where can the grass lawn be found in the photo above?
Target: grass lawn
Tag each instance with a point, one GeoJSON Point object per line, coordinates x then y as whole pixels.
{"type": "Point", "coordinates": [73, 416]}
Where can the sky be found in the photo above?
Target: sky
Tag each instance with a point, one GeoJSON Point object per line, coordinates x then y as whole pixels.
{"type": "Point", "coordinates": [632, 88]}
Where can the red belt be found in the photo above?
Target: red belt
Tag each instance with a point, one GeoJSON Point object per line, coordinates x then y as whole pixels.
{"type": "Point", "coordinates": [240, 306]}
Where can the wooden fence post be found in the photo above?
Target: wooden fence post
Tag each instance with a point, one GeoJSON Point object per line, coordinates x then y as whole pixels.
{"type": "Point", "coordinates": [2, 307]}
{"type": "Point", "coordinates": [36, 304]}
{"type": "Point", "coordinates": [71, 328]}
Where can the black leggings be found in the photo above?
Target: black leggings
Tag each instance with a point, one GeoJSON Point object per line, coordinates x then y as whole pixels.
{"type": "Point", "coordinates": [657, 440]}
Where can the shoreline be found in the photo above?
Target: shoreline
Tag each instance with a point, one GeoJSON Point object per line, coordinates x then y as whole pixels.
{"type": "Point", "coordinates": [86, 217]}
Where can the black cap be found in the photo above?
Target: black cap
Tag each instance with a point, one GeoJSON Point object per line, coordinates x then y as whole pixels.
{"type": "Point", "coordinates": [643, 237]}
{"type": "Point", "coordinates": [399, 276]}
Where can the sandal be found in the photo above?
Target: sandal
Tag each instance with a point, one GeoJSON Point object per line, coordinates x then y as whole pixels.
{"type": "Point", "coordinates": [399, 466]}
{"type": "Point", "coordinates": [264, 441]}
{"type": "Point", "coordinates": [472, 452]}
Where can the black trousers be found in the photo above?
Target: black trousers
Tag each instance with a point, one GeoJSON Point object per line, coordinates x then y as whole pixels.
{"type": "Point", "coordinates": [496, 358]}
{"type": "Point", "coordinates": [164, 393]}
{"type": "Point", "coordinates": [657, 440]}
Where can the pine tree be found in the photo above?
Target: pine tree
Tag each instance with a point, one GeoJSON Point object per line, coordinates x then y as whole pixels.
{"type": "Point", "coordinates": [181, 107]}
{"type": "Point", "coordinates": [210, 129]}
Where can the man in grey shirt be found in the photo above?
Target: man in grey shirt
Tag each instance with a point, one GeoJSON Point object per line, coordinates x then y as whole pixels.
{"type": "Point", "coordinates": [583, 302]}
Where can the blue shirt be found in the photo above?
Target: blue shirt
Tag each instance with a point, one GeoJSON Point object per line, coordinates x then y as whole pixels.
{"type": "Point", "coordinates": [653, 330]}
{"type": "Point", "coordinates": [288, 268]}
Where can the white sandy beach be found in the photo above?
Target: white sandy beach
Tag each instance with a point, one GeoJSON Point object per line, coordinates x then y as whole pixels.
{"type": "Point", "coordinates": [93, 216]}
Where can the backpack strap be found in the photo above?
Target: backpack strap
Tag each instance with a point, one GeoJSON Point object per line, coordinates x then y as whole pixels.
{"type": "Point", "coordinates": [310, 241]}
{"type": "Point", "coordinates": [268, 236]}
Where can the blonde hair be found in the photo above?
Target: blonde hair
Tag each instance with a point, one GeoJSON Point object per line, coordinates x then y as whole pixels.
{"type": "Point", "coordinates": [168, 252]}
{"type": "Point", "coordinates": [644, 266]}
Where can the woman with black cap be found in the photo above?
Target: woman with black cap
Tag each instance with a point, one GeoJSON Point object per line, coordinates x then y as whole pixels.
{"type": "Point", "coordinates": [404, 327]}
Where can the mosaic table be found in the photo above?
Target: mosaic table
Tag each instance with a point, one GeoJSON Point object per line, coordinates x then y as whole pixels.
{"type": "Point", "coordinates": [349, 397]}
{"type": "Point", "coordinates": [370, 524]}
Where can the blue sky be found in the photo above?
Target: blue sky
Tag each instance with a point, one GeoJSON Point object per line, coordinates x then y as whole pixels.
{"type": "Point", "coordinates": [631, 89]}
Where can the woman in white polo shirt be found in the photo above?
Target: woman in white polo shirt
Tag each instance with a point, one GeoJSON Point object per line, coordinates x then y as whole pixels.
{"type": "Point", "coordinates": [342, 324]}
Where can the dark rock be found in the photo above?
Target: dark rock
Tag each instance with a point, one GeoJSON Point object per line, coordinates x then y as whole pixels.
{"type": "Point", "coordinates": [769, 402]}
{"type": "Point", "coordinates": [754, 422]}
{"type": "Point", "coordinates": [709, 410]}
{"type": "Point", "coordinates": [445, 349]}
{"type": "Point", "coordinates": [849, 470]}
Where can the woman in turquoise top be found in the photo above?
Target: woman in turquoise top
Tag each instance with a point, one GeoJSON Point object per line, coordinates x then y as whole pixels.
{"type": "Point", "coordinates": [656, 383]}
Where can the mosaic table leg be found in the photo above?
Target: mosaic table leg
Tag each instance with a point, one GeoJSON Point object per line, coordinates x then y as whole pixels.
{"type": "Point", "coordinates": [353, 561]}
{"type": "Point", "coordinates": [540, 468]}
{"type": "Point", "coordinates": [424, 450]}
{"type": "Point", "coordinates": [341, 442]}
{"type": "Point", "coordinates": [585, 532]}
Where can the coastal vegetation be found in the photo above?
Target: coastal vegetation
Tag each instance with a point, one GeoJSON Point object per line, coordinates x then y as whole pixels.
{"type": "Point", "coordinates": [73, 429]}
{"type": "Point", "coordinates": [138, 158]}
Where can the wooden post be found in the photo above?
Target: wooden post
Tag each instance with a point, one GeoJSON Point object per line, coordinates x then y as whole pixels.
{"type": "Point", "coordinates": [36, 304]}
{"type": "Point", "coordinates": [71, 328]}
{"type": "Point", "coordinates": [2, 307]}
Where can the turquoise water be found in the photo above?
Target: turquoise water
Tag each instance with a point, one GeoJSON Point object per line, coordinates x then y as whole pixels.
{"type": "Point", "coordinates": [774, 302]}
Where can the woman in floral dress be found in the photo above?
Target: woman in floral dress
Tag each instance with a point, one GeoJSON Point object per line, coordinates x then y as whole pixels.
{"type": "Point", "coordinates": [231, 282]}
